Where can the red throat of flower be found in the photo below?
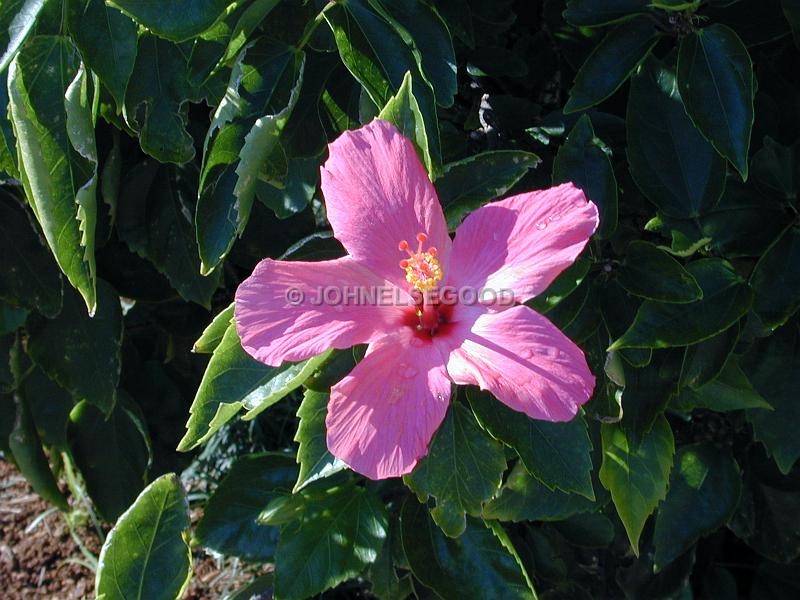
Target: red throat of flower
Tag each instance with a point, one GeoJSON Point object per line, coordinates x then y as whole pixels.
{"type": "Point", "coordinates": [424, 273]}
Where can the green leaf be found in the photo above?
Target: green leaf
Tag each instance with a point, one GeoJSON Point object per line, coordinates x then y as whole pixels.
{"type": "Point", "coordinates": [611, 63]}
{"type": "Point", "coordinates": [154, 219]}
{"type": "Point", "coordinates": [587, 530]}
{"type": "Point", "coordinates": [26, 448]}
{"type": "Point", "coordinates": [649, 272]}
{"type": "Point", "coordinates": [30, 277]}
{"type": "Point", "coordinates": [145, 556]}
{"type": "Point", "coordinates": [302, 180]}
{"type": "Point", "coordinates": [8, 142]}
{"type": "Point", "coordinates": [563, 285]}
{"type": "Point", "coordinates": [582, 160]}
{"type": "Point", "coordinates": [315, 461]}
{"type": "Point", "coordinates": [207, 75]}
{"type": "Point", "coordinates": [17, 20]}
{"type": "Point", "coordinates": [791, 10]}
{"type": "Point", "coordinates": [704, 361]}
{"type": "Point", "coordinates": [744, 223]}
{"type": "Point", "coordinates": [773, 366]}
{"type": "Point", "coordinates": [566, 312]}
{"type": "Point", "coordinates": [382, 574]}
{"type": "Point", "coordinates": [557, 454]}
{"type": "Point", "coordinates": [112, 455]}
{"type": "Point", "coordinates": [340, 532]}
{"type": "Point", "coordinates": [639, 580]}
{"type": "Point", "coordinates": [402, 111]}
{"type": "Point", "coordinates": [311, 125]}
{"type": "Point", "coordinates": [11, 318]}
{"type": "Point", "coordinates": [341, 100]}
{"type": "Point", "coordinates": [258, 587]}
{"type": "Point", "coordinates": [50, 406]}
{"type": "Point", "coordinates": [775, 168]}
{"type": "Point", "coordinates": [706, 479]}
{"type": "Point", "coordinates": [374, 51]}
{"type": "Point", "coordinates": [636, 476]}
{"type": "Point", "coordinates": [644, 399]}
{"type": "Point", "coordinates": [242, 145]}
{"type": "Point", "coordinates": [283, 509]}
{"type": "Point", "coordinates": [730, 390]}
{"type": "Point", "coordinates": [229, 522]}
{"type": "Point", "coordinates": [677, 5]}
{"type": "Point", "coordinates": [156, 100]}
{"type": "Point", "coordinates": [427, 34]}
{"type": "Point", "coordinates": [107, 41]}
{"type": "Point", "coordinates": [676, 168]}
{"type": "Point", "coordinates": [317, 246]}
{"type": "Point", "coordinates": [470, 183]}
{"type": "Point", "coordinates": [81, 353]}
{"type": "Point", "coordinates": [776, 280]}
{"type": "Point", "coordinates": [587, 320]}
{"type": "Point", "coordinates": [766, 518]}
{"type": "Point", "coordinates": [58, 157]}
{"type": "Point", "coordinates": [715, 77]}
{"type": "Point", "coordinates": [234, 380]}
{"type": "Point", "coordinates": [8, 413]}
{"type": "Point", "coordinates": [720, 584]}
{"type": "Point", "coordinates": [213, 334]}
{"type": "Point", "coordinates": [463, 468]}
{"type": "Point", "coordinates": [594, 13]}
{"type": "Point", "coordinates": [524, 498]}
{"type": "Point", "coordinates": [618, 309]}
{"type": "Point", "coordinates": [334, 369]}
{"type": "Point", "coordinates": [456, 568]}
{"type": "Point", "coordinates": [176, 20]}
{"type": "Point", "coordinates": [249, 20]}
{"type": "Point", "coordinates": [9, 348]}
{"type": "Point", "coordinates": [726, 297]}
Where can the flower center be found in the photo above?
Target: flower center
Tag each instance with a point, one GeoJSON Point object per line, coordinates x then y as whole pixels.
{"type": "Point", "coordinates": [422, 268]}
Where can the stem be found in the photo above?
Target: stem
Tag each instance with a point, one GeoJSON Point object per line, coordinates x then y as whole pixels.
{"type": "Point", "coordinates": [77, 491]}
{"type": "Point", "coordinates": [312, 26]}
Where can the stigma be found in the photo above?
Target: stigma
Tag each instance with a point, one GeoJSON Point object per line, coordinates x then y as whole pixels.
{"type": "Point", "coordinates": [422, 268]}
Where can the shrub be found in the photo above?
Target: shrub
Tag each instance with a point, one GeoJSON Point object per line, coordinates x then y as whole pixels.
{"type": "Point", "coordinates": [155, 152]}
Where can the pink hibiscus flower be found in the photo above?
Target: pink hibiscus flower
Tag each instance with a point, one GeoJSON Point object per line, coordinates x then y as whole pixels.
{"type": "Point", "coordinates": [382, 416]}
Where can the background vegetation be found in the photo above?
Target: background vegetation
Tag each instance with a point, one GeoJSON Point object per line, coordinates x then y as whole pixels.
{"type": "Point", "coordinates": [153, 152]}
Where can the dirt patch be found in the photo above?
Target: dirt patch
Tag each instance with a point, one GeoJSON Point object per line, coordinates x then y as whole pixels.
{"type": "Point", "coordinates": [38, 557]}
{"type": "Point", "coordinates": [40, 560]}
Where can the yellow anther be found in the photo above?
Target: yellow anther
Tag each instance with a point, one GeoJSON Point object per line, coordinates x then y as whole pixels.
{"type": "Point", "coordinates": [422, 268]}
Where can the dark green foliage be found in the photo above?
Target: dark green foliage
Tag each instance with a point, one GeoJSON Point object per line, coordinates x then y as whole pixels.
{"type": "Point", "coordinates": [151, 153]}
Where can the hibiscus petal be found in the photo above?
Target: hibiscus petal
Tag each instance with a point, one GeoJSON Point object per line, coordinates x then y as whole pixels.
{"type": "Point", "coordinates": [523, 242]}
{"type": "Point", "coordinates": [377, 193]}
{"type": "Point", "coordinates": [525, 361]}
{"type": "Point", "coordinates": [382, 416]}
{"type": "Point", "coordinates": [292, 310]}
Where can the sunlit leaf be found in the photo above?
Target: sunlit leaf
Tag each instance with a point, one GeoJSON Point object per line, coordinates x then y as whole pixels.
{"type": "Point", "coordinates": [234, 381]}
{"type": "Point", "coordinates": [313, 455]}
{"type": "Point", "coordinates": [107, 41]}
{"type": "Point", "coordinates": [637, 475]}
{"type": "Point", "coordinates": [707, 480]}
{"type": "Point", "coordinates": [145, 556]}
{"type": "Point", "coordinates": [463, 468]}
{"type": "Point", "coordinates": [176, 20]}
{"type": "Point", "coordinates": [557, 454]}
{"type": "Point", "coordinates": [53, 125]}
{"type": "Point", "coordinates": [339, 533]}
{"type": "Point", "coordinates": [455, 568]}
